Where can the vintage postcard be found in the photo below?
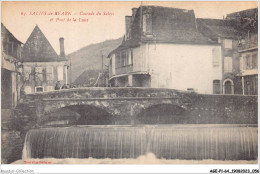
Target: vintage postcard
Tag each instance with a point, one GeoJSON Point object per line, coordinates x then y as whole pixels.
{"type": "Point", "coordinates": [129, 83]}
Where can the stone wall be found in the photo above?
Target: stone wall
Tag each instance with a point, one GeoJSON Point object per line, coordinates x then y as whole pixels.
{"type": "Point", "coordinates": [222, 109]}
{"type": "Point", "coordinates": [12, 138]}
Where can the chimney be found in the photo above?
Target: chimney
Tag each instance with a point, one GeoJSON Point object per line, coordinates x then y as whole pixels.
{"type": "Point", "coordinates": [127, 26]}
{"type": "Point", "coordinates": [134, 10]}
{"type": "Point", "coordinates": [62, 52]}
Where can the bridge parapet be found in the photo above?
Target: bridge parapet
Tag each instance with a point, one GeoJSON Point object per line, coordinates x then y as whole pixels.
{"type": "Point", "coordinates": [126, 104]}
{"type": "Point", "coordinates": [105, 93]}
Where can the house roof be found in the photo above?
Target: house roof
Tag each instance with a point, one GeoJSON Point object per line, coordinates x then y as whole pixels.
{"type": "Point", "coordinates": [235, 25]}
{"type": "Point", "coordinates": [169, 25]}
{"type": "Point", "coordinates": [248, 19]}
{"type": "Point", "coordinates": [249, 13]}
{"type": "Point", "coordinates": [5, 31]}
{"type": "Point", "coordinates": [214, 28]}
{"type": "Point", "coordinates": [38, 49]}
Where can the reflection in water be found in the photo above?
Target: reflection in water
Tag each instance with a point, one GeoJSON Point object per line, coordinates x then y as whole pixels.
{"type": "Point", "coordinates": [197, 142]}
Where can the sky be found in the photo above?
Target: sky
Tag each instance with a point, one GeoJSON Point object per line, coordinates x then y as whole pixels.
{"type": "Point", "coordinates": [85, 23]}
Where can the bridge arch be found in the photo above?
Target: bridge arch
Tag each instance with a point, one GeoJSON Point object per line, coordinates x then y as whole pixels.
{"type": "Point", "coordinates": [116, 111]}
{"type": "Point", "coordinates": [53, 105]}
{"type": "Point", "coordinates": [77, 115]}
{"type": "Point", "coordinates": [162, 113]}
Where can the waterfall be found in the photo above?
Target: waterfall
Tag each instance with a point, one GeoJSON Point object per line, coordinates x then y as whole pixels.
{"type": "Point", "coordinates": [197, 142]}
{"type": "Point", "coordinates": [26, 150]}
{"type": "Point", "coordinates": [218, 142]}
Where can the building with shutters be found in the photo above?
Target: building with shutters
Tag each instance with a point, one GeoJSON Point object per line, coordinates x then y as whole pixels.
{"type": "Point", "coordinates": [249, 64]}
{"type": "Point", "coordinates": [42, 66]}
{"type": "Point", "coordinates": [162, 48]}
{"type": "Point", "coordinates": [248, 49]}
{"type": "Point", "coordinates": [10, 68]}
{"type": "Point", "coordinates": [228, 35]}
{"type": "Point", "coordinates": [238, 35]}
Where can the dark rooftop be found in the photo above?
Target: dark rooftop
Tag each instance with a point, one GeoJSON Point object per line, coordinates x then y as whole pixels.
{"type": "Point", "coordinates": [169, 25]}
{"type": "Point", "coordinates": [38, 49]}
{"type": "Point", "coordinates": [4, 31]}
{"type": "Point", "coordinates": [249, 13]}
{"type": "Point", "coordinates": [214, 28]}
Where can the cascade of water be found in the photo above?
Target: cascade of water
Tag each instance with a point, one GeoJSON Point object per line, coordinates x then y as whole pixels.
{"type": "Point", "coordinates": [217, 142]}
{"type": "Point", "coordinates": [26, 150]}
{"type": "Point", "coordinates": [85, 142]}
{"type": "Point", "coordinates": [197, 142]}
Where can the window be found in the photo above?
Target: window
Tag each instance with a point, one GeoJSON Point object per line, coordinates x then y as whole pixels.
{"type": "Point", "coordinates": [44, 74]}
{"type": "Point", "coordinates": [27, 71]}
{"type": "Point", "coordinates": [117, 60]}
{"type": "Point", "coordinates": [60, 73]}
{"type": "Point", "coordinates": [228, 43]}
{"type": "Point", "coordinates": [38, 73]}
{"type": "Point", "coordinates": [147, 23]}
{"type": "Point", "coordinates": [49, 73]}
{"type": "Point", "coordinates": [227, 64]}
{"type": "Point", "coordinates": [144, 23]}
{"type": "Point", "coordinates": [248, 63]}
{"type": "Point", "coordinates": [129, 57]}
{"type": "Point", "coordinates": [124, 58]}
{"type": "Point", "coordinates": [216, 86]}
{"type": "Point", "coordinates": [216, 57]}
{"type": "Point", "coordinates": [39, 89]}
{"type": "Point", "coordinates": [132, 57]}
{"type": "Point", "coordinates": [241, 63]}
{"type": "Point", "coordinates": [254, 61]}
{"type": "Point", "coordinates": [191, 89]}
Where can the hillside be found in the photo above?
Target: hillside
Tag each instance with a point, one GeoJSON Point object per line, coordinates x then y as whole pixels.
{"type": "Point", "coordinates": [90, 58]}
{"type": "Point", "coordinates": [88, 77]}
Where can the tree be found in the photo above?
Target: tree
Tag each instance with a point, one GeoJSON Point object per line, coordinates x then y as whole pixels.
{"type": "Point", "coordinates": [32, 76]}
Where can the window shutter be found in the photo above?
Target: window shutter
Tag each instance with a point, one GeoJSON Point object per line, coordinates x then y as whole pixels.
{"type": "Point", "coordinates": [228, 43]}
{"type": "Point", "coordinates": [49, 73]}
{"type": "Point", "coordinates": [60, 73]}
{"type": "Point", "coordinates": [38, 73]}
{"type": "Point", "coordinates": [254, 61]}
{"type": "Point", "coordinates": [228, 64]}
{"type": "Point", "coordinates": [44, 74]}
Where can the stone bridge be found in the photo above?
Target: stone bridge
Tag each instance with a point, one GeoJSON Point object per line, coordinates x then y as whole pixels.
{"type": "Point", "coordinates": [128, 106]}
{"type": "Point", "coordinates": [81, 106]}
